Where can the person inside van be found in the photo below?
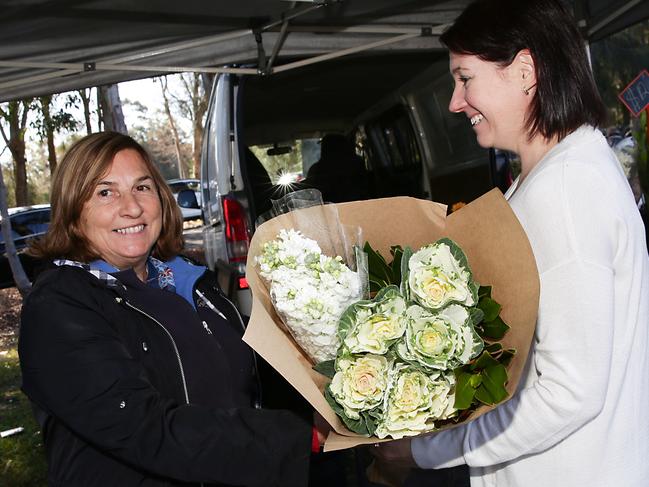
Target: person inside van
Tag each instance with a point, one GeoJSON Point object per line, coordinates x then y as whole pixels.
{"type": "Point", "coordinates": [132, 356]}
{"type": "Point", "coordinates": [339, 174]}
{"type": "Point", "coordinates": [523, 80]}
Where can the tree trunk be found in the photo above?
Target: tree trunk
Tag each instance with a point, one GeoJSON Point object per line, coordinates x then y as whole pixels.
{"type": "Point", "coordinates": [111, 107]}
{"type": "Point", "coordinates": [199, 99]}
{"type": "Point", "coordinates": [17, 121]}
{"type": "Point", "coordinates": [85, 99]}
{"type": "Point", "coordinates": [20, 278]}
{"type": "Point", "coordinates": [17, 148]}
{"type": "Point", "coordinates": [46, 101]}
{"type": "Point", "coordinates": [182, 173]}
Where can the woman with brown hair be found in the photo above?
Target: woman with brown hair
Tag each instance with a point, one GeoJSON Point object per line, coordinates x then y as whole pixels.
{"type": "Point", "coordinates": [132, 356]}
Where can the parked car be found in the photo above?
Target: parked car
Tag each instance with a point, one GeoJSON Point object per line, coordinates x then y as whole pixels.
{"type": "Point", "coordinates": [390, 108]}
{"type": "Point", "coordinates": [188, 195]}
{"type": "Point", "coordinates": [27, 222]}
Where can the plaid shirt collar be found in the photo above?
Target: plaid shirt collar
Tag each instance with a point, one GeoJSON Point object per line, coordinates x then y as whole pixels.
{"type": "Point", "coordinates": [160, 275]}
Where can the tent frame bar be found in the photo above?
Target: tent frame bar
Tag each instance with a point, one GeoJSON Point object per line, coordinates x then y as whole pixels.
{"type": "Point", "coordinates": [118, 64]}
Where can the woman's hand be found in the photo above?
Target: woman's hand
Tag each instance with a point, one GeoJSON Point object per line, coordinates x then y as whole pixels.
{"type": "Point", "coordinates": [396, 453]}
{"type": "Point", "coordinates": [322, 427]}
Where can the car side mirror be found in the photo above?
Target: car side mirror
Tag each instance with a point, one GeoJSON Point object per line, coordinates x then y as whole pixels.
{"type": "Point", "coordinates": [187, 199]}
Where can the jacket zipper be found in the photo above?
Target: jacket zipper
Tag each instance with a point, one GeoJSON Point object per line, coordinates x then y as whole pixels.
{"type": "Point", "coordinates": [210, 305]}
{"type": "Point", "coordinates": [173, 342]}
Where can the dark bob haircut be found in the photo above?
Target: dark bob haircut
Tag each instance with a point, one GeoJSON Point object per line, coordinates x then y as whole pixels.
{"type": "Point", "coordinates": [75, 179]}
{"type": "Point", "coordinates": [496, 30]}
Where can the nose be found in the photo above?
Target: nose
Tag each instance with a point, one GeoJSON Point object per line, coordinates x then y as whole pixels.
{"type": "Point", "coordinates": [457, 103]}
{"type": "Point", "coordinates": [129, 205]}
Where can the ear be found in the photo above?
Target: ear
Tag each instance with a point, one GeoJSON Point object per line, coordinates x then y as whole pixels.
{"type": "Point", "coordinates": [525, 68]}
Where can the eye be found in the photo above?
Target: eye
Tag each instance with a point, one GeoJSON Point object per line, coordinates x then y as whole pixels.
{"type": "Point", "coordinates": [143, 187]}
{"type": "Point", "coordinates": [464, 79]}
{"type": "Point", "coordinates": [104, 193]}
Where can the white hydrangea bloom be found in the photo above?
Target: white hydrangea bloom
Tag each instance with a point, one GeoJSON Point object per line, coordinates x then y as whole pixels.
{"type": "Point", "coordinates": [309, 290]}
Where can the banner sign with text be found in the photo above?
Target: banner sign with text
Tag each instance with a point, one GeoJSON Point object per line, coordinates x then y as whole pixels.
{"type": "Point", "coordinates": [636, 95]}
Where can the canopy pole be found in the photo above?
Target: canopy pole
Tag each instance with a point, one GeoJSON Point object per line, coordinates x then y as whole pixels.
{"type": "Point", "coordinates": [613, 16]}
{"type": "Point", "coordinates": [343, 52]}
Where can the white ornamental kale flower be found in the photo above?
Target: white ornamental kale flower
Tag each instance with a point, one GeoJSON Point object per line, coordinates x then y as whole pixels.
{"type": "Point", "coordinates": [372, 326]}
{"type": "Point", "coordinates": [290, 249]}
{"type": "Point", "coordinates": [414, 401]}
{"type": "Point", "coordinates": [438, 274]}
{"type": "Point", "coordinates": [360, 383]}
{"type": "Point", "coordinates": [441, 341]}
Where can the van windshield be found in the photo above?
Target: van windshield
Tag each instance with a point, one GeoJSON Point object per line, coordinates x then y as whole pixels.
{"type": "Point", "coordinates": [288, 161]}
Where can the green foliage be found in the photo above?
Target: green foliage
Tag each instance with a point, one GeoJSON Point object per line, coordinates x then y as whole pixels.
{"type": "Point", "coordinates": [22, 456]}
{"type": "Point", "coordinates": [365, 426]}
{"type": "Point", "coordinates": [491, 326]}
{"type": "Point", "coordinates": [326, 368]}
{"type": "Point", "coordinates": [617, 60]}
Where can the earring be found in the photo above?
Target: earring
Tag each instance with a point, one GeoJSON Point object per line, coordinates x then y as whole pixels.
{"type": "Point", "coordinates": [527, 90]}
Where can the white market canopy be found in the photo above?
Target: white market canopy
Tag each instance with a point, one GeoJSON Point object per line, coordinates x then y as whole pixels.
{"type": "Point", "coordinates": [51, 46]}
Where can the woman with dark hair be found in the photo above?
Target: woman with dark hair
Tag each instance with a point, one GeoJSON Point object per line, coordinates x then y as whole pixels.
{"type": "Point", "coordinates": [578, 418]}
{"type": "Point", "coordinates": [131, 356]}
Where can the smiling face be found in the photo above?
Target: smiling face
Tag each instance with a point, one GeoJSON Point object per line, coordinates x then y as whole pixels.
{"type": "Point", "coordinates": [123, 217]}
{"type": "Point", "coordinates": [493, 99]}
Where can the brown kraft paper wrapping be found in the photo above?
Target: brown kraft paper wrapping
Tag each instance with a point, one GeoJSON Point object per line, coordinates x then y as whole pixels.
{"type": "Point", "coordinates": [498, 252]}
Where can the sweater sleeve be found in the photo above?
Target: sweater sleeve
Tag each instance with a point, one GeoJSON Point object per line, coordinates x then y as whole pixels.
{"type": "Point", "coordinates": [568, 367]}
{"type": "Point", "coordinates": [76, 368]}
{"type": "Point", "coordinates": [571, 363]}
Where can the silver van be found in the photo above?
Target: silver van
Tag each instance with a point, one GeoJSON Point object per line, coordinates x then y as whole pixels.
{"type": "Point", "coordinates": [370, 126]}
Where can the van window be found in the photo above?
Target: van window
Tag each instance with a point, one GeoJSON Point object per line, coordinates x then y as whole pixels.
{"type": "Point", "coordinates": [388, 144]}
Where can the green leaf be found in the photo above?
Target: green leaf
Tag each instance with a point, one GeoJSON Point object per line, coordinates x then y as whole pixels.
{"type": "Point", "coordinates": [494, 329]}
{"type": "Point", "coordinates": [494, 348]}
{"type": "Point", "coordinates": [489, 307]}
{"type": "Point", "coordinates": [492, 388]}
{"type": "Point", "coordinates": [507, 356]}
{"type": "Point", "coordinates": [484, 361]}
{"type": "Point", "coordinates": [405, 258]}
{"type": "Point", "coordinates": [484, 291]}
{"type": "Point", "coordinates": [359, 426]}
{"type": "Point", "coordinates": [326, 368]}
{"type": "Point", "coordinates": [465, 389]}
{"type": "Point", "coordinates": [376, 285]}
{"type": "Point", "coordinates": [378, 269]}
{"type": "Point", "coordinates": [397, 255]}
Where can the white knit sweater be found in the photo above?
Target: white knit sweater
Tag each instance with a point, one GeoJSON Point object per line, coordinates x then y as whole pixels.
{"type": "Point", "coordinates": [581, 414]}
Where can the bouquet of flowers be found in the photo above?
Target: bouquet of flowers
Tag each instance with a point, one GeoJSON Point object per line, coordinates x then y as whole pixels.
{"type": "Point", "coordinates": [424, 349]}
{"type": "Point", "coordinates": [413, 355]}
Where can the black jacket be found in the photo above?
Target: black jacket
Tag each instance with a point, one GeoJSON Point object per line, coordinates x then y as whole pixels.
{"type": "Point", "coordinates": [107, 387]}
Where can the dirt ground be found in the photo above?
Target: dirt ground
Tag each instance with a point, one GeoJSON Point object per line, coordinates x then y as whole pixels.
{"type": "Point", "coordinates": [10, 302]}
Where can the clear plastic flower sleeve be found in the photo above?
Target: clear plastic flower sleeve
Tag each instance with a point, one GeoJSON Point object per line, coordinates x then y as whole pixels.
{"type": "Point", "coordinates": [311, 271]}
